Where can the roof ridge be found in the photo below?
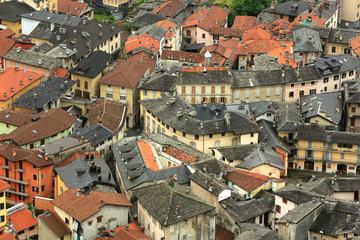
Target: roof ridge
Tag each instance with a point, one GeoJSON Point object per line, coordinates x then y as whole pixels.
{"type": "Point", "coordinates": [169, 207]}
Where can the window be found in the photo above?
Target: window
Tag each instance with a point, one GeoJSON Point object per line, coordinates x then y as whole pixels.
{"type": "Point", "coordinates": [123, 98]}
{"type": "Point", "coordinates": [99, 218]}
{"type": "Point", "coordinates": [78, 83]}
{"type": "Point", "coordinates": [193, 90]}
{"type": "Point", "coordinates": [353, 109]}
{"type": "Point", "coordinates": [203, 35]}
{"type": "Point", "coordinates": [278, 209]}
{"type": "Point", "coordinates": [31, 228]}
{"type": "Point", "coordinates": [212, 89]}
{"type": "Point", "coordinates": [251, 134]}
{"type": "Point", "coordinates": [303, 84]}
{"type": "Point", "coordinates": [301, 93]}
{"type": "Point", "coordinates": [312, 82]}
{"type": "Point", "coordinates": [343, 75]}
{"type": "Point", "coordinates": [34, 177]}
{"type": "Point", "coordinates": [336, 77]}
{"type": "Point", "coordinates": [21, 232]}
{"type": "Point", "coordinates": [352, 122]}
{"type": "Point", "coordinates": [344, 145]}
{"type": "Point", "coordinates": [2, 218]}
{"type": "Point", "coordinates": [184, 134]}
{"type": "Point", "coordinates": [222, 89]}
{"type": "Point", "coordinates": [210, 135]}
{"type": "Point", "coordinates": [154, 94]}
{"type": "Point", "coordinates": [335, 86]}
{"type": "Point", "coordinates": [31, 145]}
{"type": "Point", "coordinates": [312, 91]}
{"type": "Point", "coordinates": [222, 100]}
{"type": "Point", "coordinates": [325, 89]}
{"type": "Point", "coordinates": [342, 155]}
{"type": "Point", "coordinates": [196, 137]}
{"type": "Point", "coordinates": [2, 206]}
{"type": "Point", "coordinates": [86, 85]}
{"type": "Point", "coordinates": [333, 49]}
{"type": "Point", "coordinates": [42, 142]}
{"type": "Point", "coordinates": [146, 93]}
{"type": "Point", "coordinates": [284, 200]}
{"type": "Point", "coordinates": [42, 188]}
{"type": "Point", "coordinates": [202, 89]}
{"type": "Point", "coordinates": [292, 85]}
{"type": "Point", "coordinates": [326, 80]}
{"type": "Point", "coordinates": [67, 221]}
{"type": "Point", "coordinates": [351, 73]}
{"type": "Point", "coordinates": [183, 90]}
{"type": "Point", "coordinates": [34, 189]}
{"type": "Point", "coordinates": [291, 94]}
{"type": "Point", "coordinates": [109, 95]}
{"type": "Point", "coordinates": [1, 194]}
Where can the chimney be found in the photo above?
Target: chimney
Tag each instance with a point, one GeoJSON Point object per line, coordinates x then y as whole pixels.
{"type": "Point", "coordinates": [14, 153]}
{"type": "Point", "coordinates": [35, 96]}
{"type": "Point", "coordinates": [127, 227]}
{"type": "Point", "coordinates": [109, 175]}
{"type": "Point", "coordinates": [204, 168]}
{"type": "Point", "coordinates": [223, 204]}
{"type": "Point", "coordinates": [171, 181]}
{"type": "Point", "coordinates": [99, 177]}
{"type": "Point", "coordinates": [177, 209]}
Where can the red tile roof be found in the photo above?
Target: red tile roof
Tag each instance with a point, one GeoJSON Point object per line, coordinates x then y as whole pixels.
{"type": "Point", "coordinates": [207, 18]}
{"type": "Point", "coordinates": [61, 72]}
{"type": "Point", "coordinates": [148, 155]}
{"type": "Point", "coordinates": [5, 45]}
{"type": "Point", "coordinates": [281, 52]}
{"type": "Point", "coordinates": [314, 20]}
{"type": "Point", "coordinates": [355, 45]}
{"type": "Point", "coordinates": [4, 185]}
{"type": "Point", "coordinates": [126, 74]}
{"type": "Point", "coordinates": [22, 219]}
{"type": "Point", "coordinates": [183, 56]}
{"type": "Point", "coordinates": [7, 33]}
{"type": "Point", "coordinates": [121, 233]}
{"type": "Point", "coordinates": [144, 57]}
{"type": "Point", "coordinates": [109, 113]}
{"type": "Point", "coordinates": [223, 234]}
{"type": "Point", "coordinates": [74, 7]}
{"type": "Point", "coordinates": [7, 236]}
{"type": "Point", "coordinates": [142, 41]}
{"type": "Point", "coordinates": [169, 26]}
{"type": "Point", "coordinates": [15, 154]}
{"type": "Point", "coordinates": [51, 122]}
{"type": "Point", "coordinates": [55, 224]}
{"type": "Point", "coordinates": [226, 32]}
{"type": "Point", "coordinates": [258, 46]}
{"type": "Point", "coordinates": [244, 23]}
{"type": "Point", "coordinates": [180, 155]}
{"type": "Point", "coordinates": [19, 81]}
{"type": "Point", "coordinates": [223, 50]}
{"type": "Point", "coordinates": [83, 206]}
{"type": "Point", "coordinates": [247, 180]}
{"type": "Point", "coordinates": [15, 118]}
{"type": "Point", "coordinates": [169, 8]}
{"type": "Point", "coordinates": [256, 34]}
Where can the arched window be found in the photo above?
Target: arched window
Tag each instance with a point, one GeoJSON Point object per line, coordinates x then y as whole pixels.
{"type": "Point", "coordinates": [217, 143]}
{"type": "Point", "coordinates": [193, 144]}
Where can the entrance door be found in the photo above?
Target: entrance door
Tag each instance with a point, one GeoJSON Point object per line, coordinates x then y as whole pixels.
{"type": "Point", "coordinates": [324, 166]}
{"type": "Point", "coordinates": [309, 165]}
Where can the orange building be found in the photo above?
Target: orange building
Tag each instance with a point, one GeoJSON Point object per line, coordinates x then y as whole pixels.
{"type": "Point", "coordinates": [20, 83]}
{"type": "Point", "coordinates": [29, 173]}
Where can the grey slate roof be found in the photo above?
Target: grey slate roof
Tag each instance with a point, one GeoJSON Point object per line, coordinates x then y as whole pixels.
{"type": "Point", "coordinates": [95, 133]}
{"type": "Point", "coordinates": [261, 107]}
{"type": "Point", "coordinates": [48, 91]}
{"type": "Point", "coordinates": [152, 30]}
{"type": "Point", "coordinates": [165, 109]}
{"type": "Point", "coordinates": [263, 234]}
{"type": "Point", "coordinates": [288, 117]}
{"type": "Point", "coordinates": [299, 212]}
{"type": "Point", "coordinates": [325, 186]}
{"type": "Point", "coordinates": [243, 211]}
{"type": "Point", "coordinates": [297, 195]}
{"type": "Point", "coordinates": [252, 156]}
{"type": "Point", "coordinates": [93, 65]}
{"type": "Point", "coordinates": [286, 8]}
{"type": "Point", "coordinates": [49, 17]}
{"type": "Point", "coordinates": [62, 144]}
{"type": "Point", "coordinates": [158, 81]}
{"type": "Point", "coordinates": [11, 10]}
{"type": "Point", "coordinates": [333, 64]}
{"type": "Point", "coordinates": [306, 132]}
{"type": "Point", "coordinates": [212, 166]}
{"type": "Point", "coordinates": [77, 174]}
{"type": "Point", "coordinates": [269, 136]}
{"type": "Point", "coordinates": [206, 182]}
{"type": "Point", "coordinates": [32, 58]}
{"type": "Point", "coordinates": [211, 77]}
{"type": "Point", "coordinates": [162, 202]}
{"type": "Point", "coordinates": [266, 62]}
{"type": "Point", "coordinates": [328, 104]}
{"type": "Point", "coordinates": [146, 19]}
{"type": "Point", "coordinates": [134, 172]}
{"type": "Point", "coordinates": [245, 79]}
{"type": "Point", "coordinates": [306, 40]}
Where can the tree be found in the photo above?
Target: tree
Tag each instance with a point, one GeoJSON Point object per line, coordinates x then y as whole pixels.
{"type": "Point", "coordinates": [247, 7]}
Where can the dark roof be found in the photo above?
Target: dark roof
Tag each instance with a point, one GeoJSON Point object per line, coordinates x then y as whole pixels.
{"type": "Point", "coordinates": [288, 117]}
{"type": "Point", "coordinates": [333, 64]}
{"type": "Point", "coordinates": [134, 172]}
{"type": "Point", "coordinates": [78, 175]}
{"type": "Point", "coordinates": [211, 185]}
{"type": "Point", "coordinates": [146, 19]}
{"type": "Point", "coordinates": [169, 206]}
{"type": "Point", "coordinates": [246, 79]}
{"type": "Point", "coordinates": [96, 134]}
{"type": "Point", "coordinates": [300, 212]}
{"type": "Point", "coordinates": [291, 8]}
{"type": "Point", "coordinates": [210, 78]}
{"type": "Point", "coordinates": [306, 40]}
{"type": "Point", "coordinates": [48, 91]}
{"type": "Point", "coordinates": [93, 65]}
{"type": "Point", "coordinates": [211, 166]}
{"type": "Point", "coordinates": [270, 136]}
{"type": "Point", "coordinates": [49, 17]}
{"type": "Point", "coordinates": [325, 105]}
{"type": "Point", "coordinates": [152, 30]}
{"type": "Point", "coordinates": [328, 186]}
{"type": "Point", "coordinates": [11, 10]}
{"type": "Point", "coordinates": [242, 211]}
{"type": "Point", "coordinates": [159, 81]}
{"type": "Point", "coordinates": [261, 107]}
{"type": "Point", "coordinates": [296, 195]}
{"type": "Point", "coordinates": [166, 108]}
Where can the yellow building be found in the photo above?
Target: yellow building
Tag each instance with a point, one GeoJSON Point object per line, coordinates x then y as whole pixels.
{"type": "Point", "coordinates": [350, 13]}
{"type": "Point", "coordinates": [174, 117]}
{"type": "Point", "coordinates": [10, 15]}
{"type": "Point", "coordinates": [327, 151]}
{"type": "Point", "coordinates": [3, 187]}
{"type": "Point", "coordinates": [121, 84]}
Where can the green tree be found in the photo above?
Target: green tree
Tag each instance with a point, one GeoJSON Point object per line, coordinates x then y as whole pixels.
{"type": "Point", "coordinates": [247, 7]}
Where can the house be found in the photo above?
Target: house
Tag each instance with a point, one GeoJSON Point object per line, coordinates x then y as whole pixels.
{"type": "Point", "coordinates": [21, 82]}
{"type": "Point", "coordinates": [44, 127]}
{"type": "Point", "coordinates": [45, 96]}
{"type": "Point", "coordinates": [62, 148]}
{"type": "Point", "coordinates": [6, 45]}
{"type": "Point", "coordinates": [10, 15]}
{"type": "Point", "coordinates": [78, 9]}
{"type": "Point", "coordinates": [27, 171]}
{"type": "Point", "coordinates": [262, 110]}
{"type": "Point", "coordinates": [307, 44]}
{"type": "Point", "coordinates": [106, 125]}
{"type": "Point", "coordinates": [210, 190]}
{"type": "Point", "coordinates": [174, 117]}
{"type": "Point", "coordinates": [135, 166]}
{"type": "Point", "coordinates": [87, 215]}
{"type": "Point", "coordinates": [10, 120]}
{"type": "Point", "coordinates": [349, 14]}
{"type": "Point", "coordinates": [50, 226]}
{"type": "Point", "coordinates": [257, 158]}
{"type": "Point", "coordinates": [323, 109]}
{"type": "Point", "coordinates": [145, 19]}
{"type": "Point", "coordinates": [170, 9]}
{"type": "Point", "coordinates": [197, 27]}
{"type": "Point", "coordinates": [7, 236]}
{"type": "Point", "coordinates": [247, 184]}
{"type": "Point", "coordinates": [121, 84]}
{"type": "Point", "coordinates": [88, 74]}
{"type": "Point", "coordinates": [83, 171]}
{"type": "Point", "coordinates": [4, 186]}
{"type": "Point", "coordinates": [21, 222]}
{"type": "Point", "coordinates": [211, 167]}
{"type": "Point", "coordinates": [173, 37]}
{"type": "Point", "coordinates": [316, 152]}
{"type": "Point", "coordinates": [287, 10]}
{"type": "Point", "coordinates": [168, 213]}
{"type": "Point", "coordinates": [129, 231]}
{"type": "Point", "coordinates": [352, 102]}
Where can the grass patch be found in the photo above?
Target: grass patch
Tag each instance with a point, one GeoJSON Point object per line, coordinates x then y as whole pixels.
{"type": "Point", "coordinates": [219, 3]}
{"type": "Point", "coordinates": [100, 18]}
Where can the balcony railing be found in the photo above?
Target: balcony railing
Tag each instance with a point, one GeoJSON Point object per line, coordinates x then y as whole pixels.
{"type": "Point", "coordinates": [15, 180]}
{"type": "Point", "coordinates": [18, 193]}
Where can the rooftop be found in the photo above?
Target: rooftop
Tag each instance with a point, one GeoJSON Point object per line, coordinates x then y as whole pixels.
{"type": "Point", "coordinates": [11, 10]}
{"type": "Point", "coordinates": [20, 217]}
{"type": "Point", "coordinates": [53, 221]}
{"type": "Point", "coordinates": [93, 65]}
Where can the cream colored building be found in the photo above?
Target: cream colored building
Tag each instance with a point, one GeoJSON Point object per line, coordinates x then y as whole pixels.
{"type": "Point", "coordinates": [174, 117]}
{"type": "Point", "coordinates": [350, 13]}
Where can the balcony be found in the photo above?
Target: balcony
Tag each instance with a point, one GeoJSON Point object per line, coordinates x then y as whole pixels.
{"type": "Point", "coordinates": [18, 193]}
{"type": "Point", "coordinates": [19, 170]}
{"type": "Point", "coordinates": [5, 166]}
{"type": "Point", "coordinates": [188, 37]}
{"type": "Point", "coordinates": [14, 180]}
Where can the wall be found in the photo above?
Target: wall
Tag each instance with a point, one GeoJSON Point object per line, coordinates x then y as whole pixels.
{"type": "Point", "coordinates": [346, 196]}
{"type": "Point", "coordinates": [285, 208]}
{"type": "Point", "coordinates": [349, 10]}
{"type": "Point", "coordinates": [152, 228]}
{"type": "Point", "coordinates": [295, 88]}
{"type": "Point", "coordinates": [28, 25]}
{"type": "Point", "coordinates": [197, 97]}
{"type": "Point", "coordinates": [3, 211]}
{"type": "Point", "coordinates": [204, 194]}
{"type": "Point", "coordinates": [321, 236]}
{"type": "Point", "coordinates": [14, 26]}
{"type": "Point", "coordinates": [258, 93]}
{"type": "Point", "coordinates": [28, 233]}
